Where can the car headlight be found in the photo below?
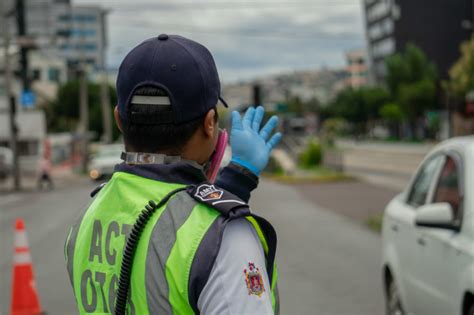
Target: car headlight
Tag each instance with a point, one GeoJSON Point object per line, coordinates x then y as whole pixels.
{"type": "Point", "coordinates": [94, 173]}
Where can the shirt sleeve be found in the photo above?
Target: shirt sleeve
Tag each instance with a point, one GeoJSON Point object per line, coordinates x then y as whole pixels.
{"type": "Point", "coordinates": [238, 283]}
{"type": "Point", "coordinates": [237, 180]}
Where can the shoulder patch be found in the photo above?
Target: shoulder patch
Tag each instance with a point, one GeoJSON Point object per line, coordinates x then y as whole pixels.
{"type": "Point", "coordinates": [225, 202]}
{"type": "Point", "coordinates": [207, 192]}
{"type": "Point", "coordinates": [254, 280]}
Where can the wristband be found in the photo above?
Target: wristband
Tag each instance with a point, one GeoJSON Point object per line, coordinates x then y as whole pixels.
{"type": "Point", "coordinates": [246, 164]}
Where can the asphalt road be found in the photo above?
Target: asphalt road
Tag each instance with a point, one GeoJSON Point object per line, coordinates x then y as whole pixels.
{"type": "Point", "coordinates": [47, 218]}
{"type": "Point", "coordinates": [353, 199]}
{"type": "Point", "coordinates": [328, 264]}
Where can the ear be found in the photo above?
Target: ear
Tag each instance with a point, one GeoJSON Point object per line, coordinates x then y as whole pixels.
{"type": "Point", "coordinates": [210, 123]}
{"type": "Point", "coordinates": [118, 121]}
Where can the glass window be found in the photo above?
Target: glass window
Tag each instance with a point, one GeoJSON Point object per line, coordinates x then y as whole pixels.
{"type": "Point", "coordinates": [64, 18]}
{"type": "Point", "coordinates": [53, 74]}
{"type": "Point", "coordinates": [448, 187]}
{"type": "Point", "coordinates": [84, 18]}
{"type": "Point", "coordinates": [89, 47]}
{"type": "Point", "coordinates": [63, 33]}
{"type": "Point", "coordinates": [422, 183]}
{"type": "Point", "coordinates": [36, 74]}
{"type": "Point", "coordinates": [83, 32]}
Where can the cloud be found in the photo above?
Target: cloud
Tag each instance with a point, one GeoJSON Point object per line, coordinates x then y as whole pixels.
{"type": "Point", "coordinates": [247, 38]}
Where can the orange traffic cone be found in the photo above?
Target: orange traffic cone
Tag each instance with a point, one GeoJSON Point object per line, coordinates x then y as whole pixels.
{"type": "Point", "coordinates": [25, 300]}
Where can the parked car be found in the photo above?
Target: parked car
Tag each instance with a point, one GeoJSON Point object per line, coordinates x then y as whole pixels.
{"type": "Point", "coordinates": [428, 236]}
{"type": "Point", "coordinates": [103, 162]}
{"type": "Point", "coordinates": [6, 162]}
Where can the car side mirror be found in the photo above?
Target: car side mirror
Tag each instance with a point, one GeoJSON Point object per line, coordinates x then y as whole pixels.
{"type": "Point", "coordinates": [436, 215]}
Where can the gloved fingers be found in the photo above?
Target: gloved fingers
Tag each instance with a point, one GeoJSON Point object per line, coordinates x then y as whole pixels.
{"type": "Point", "coordinates": [268, 128]}
{"type": "Point", "coordinates": [257, 119]}
{"type": "Point", "coordinates": [248, 118]}
{"type": "Point", "coordinates": [274, 140]}
{"type": "Point", "coordinates": [236, 121]}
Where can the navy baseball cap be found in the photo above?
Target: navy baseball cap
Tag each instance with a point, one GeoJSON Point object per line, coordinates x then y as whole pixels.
{"type": "Point", "coordinates": [183, 69]}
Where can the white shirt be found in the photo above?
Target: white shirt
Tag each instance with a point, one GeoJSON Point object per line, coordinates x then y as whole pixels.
{"type": "Point", "coordinates": [227, 292]}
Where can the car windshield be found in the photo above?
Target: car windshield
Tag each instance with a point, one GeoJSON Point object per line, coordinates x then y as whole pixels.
{"type": "Point", "coordinates": [109, 152]}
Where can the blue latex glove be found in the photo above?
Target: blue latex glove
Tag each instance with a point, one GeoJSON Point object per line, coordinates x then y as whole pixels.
{"type": "Point", "coordinates": [250, 147]}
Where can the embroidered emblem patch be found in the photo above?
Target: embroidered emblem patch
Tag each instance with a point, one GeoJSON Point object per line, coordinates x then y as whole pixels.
{"type": "Point", "coordinates": [254, 280]}
{"type": "Point", "coordinates": [207, 192]}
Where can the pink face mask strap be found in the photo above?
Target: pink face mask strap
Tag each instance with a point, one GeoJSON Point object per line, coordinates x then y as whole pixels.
{"type": "Point", "coordinates": [218, 155]}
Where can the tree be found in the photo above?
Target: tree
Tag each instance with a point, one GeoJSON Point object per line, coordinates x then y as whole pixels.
{"type": "Point", "coordinates": [393, 115]}
{"type": "Point", "coordinates": [312, 105]}
{"type": "Point", "coordinates": [411, 80]}
{"type": "Point", "coordinates": [374, 98]}
{"type": "Point", "coordinates": [359, 106]}
{"type": "Point", "coordinates": [63, 114]}
{"type": "Point", "coordinates": [295, 105]}
{"type": "Point", "coordinates": [461, 74]}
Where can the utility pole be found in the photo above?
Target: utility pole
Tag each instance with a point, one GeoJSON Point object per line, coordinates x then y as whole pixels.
{"type": "Point", "coordinates": [105, 92]}
{"type": "Point", "coordinates": [83, 102]}
{"type": "Point", "coordinates": [84, 115]}
{"type": "Point", "coordinates": [10, 97]}
{"type": "Point", "coordinates": [105, 103]}
{"type": "Point", "coordinates": [21, 24]}
{"type": "Point", "coordinates": [257, 94]}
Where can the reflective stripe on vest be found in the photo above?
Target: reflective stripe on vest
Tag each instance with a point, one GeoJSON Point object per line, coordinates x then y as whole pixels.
{"type": "Point", "coordinates": [165, 277]}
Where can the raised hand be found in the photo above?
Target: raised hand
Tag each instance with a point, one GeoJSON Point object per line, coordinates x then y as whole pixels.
{"type": "Point", "coordinates": [250, 145]}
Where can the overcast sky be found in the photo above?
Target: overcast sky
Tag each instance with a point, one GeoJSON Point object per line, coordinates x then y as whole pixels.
{"type": "Point", "coordinates": [247, 38]}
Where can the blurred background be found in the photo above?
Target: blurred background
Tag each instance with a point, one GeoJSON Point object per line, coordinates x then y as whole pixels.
{"type": "Point", "coordinates": [364, 90]}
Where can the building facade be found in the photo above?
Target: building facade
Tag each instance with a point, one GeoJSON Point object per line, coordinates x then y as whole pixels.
{"type": "Point", "coordinates": [81, 35]}
{"type": "Point", "coordinates": [74, 33]}
{"type": "Point", "coordinates": [357, 69]}
{"type": "Point", "coordinates": [436, 28]}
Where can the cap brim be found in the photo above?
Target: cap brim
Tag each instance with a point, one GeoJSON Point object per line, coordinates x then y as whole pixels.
{"type": "Point", "coordinates": [223, 102]}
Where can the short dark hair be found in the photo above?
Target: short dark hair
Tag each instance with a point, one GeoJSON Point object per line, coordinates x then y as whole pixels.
{"type": "Point", "coordinates": [155, 138]}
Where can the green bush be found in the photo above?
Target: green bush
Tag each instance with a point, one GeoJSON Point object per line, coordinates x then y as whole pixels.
{"type": "Point", "coordinates": [274, 167]}
{"type": "Point", "coordinates": [332, 128]}
{"type": "Point", "coordinates": [312, 155]}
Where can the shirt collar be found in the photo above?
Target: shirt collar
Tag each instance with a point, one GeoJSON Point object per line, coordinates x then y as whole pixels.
{"type": "Point", "coordinates": [180, 172]}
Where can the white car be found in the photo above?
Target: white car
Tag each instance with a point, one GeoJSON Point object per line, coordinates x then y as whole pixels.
{"type": "Point", "coordinates": [103, 163]}
{"type": "Point", "coordinates": [428, 236]}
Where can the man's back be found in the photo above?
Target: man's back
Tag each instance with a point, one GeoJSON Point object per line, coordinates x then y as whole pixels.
{"type": "Point", "coordinates": [95, 253]}
{"type": "Point", "coordinates": [171, 266]}
{"type": "Point", "coordinates": [201, 250]}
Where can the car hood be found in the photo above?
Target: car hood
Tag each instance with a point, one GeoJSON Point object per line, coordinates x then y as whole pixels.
{"type": "Point", "coordinates": [105, 162]}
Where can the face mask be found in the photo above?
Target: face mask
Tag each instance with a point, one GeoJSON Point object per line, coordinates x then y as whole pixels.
{"type": "Point", "coordinates": [216, 158]}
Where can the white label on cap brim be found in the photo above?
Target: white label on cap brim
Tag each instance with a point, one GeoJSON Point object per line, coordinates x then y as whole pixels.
{"type": "Point", "coordinates": [151, 100]}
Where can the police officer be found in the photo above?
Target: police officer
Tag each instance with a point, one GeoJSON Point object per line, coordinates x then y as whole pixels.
{"type": "Point", "coordinates": [195, 247]}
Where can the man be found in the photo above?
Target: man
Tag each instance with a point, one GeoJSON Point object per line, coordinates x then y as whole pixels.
{"type": "Point", "coordinates": [44, 173]}
{"type": "Point", "coordinates": [196, 248]}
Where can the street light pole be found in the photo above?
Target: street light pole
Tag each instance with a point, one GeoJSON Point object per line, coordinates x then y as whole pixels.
{"type": "Point", "coordinates": [84, 116]}
{"type": "Point", "coordinates": [104, 90]}
{"type": "Point", "coordinates": [10, 97]}
{"type": "Point", "coordinates": [21, 24]}
{"type": "Point", "coordinates": [83, 101]}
